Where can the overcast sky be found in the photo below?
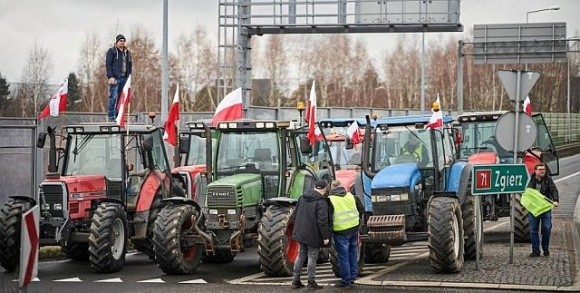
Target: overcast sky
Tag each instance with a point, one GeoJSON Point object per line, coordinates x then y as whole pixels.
{"type": "Point", "coordinates": [60, 25]}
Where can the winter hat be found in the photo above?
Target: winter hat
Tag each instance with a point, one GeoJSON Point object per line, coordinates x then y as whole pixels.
{"type": "Point", "coordinates": [320, 184]}
{"type": "Point", "coordinates": [119, 37]}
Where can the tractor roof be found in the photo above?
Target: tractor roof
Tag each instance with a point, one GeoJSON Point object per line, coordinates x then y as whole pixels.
{"type": "Point", "coordinates": [253, 125]}
{"type": "Point", "coordinates": [480, 116]}
{"type": "Point", "coordinates": [410, 120]}
{"type": "Point", "coordinates": [96, 128]}
{"type": "Point", "coordinates": [343, 122]}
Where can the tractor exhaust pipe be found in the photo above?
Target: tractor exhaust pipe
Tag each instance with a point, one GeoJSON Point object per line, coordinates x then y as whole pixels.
{"type": "Point", "coordinates": [366, 152]}
{"type": "Point", "coordinates": [52, 167]}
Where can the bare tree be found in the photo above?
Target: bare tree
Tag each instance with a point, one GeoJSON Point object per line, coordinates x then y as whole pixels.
{"type": "Point", "coordinates": [276, 70]}
{"type": "Point", "coordinates": [90, 73]}
{"type": "Point", "coordinates": [35, 79]}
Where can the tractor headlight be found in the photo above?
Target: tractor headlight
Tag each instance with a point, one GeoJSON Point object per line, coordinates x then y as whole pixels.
{"type": "Point", "coordinates": [213, 212]}
{"type": "Point", "coordinates": [46, 207]}
{"type": "Point", "coordinates": [404, 196]}
{"type": "Point", "coordinates": [231, 212]}
{"type": "Point", "coordinates": [57, 207]}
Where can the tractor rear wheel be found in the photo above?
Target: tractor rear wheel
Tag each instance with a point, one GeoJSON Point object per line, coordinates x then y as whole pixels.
{"type": "Point", "coordinates": [76, 250]}
{"type": "Point", "coordinates": [521, 223]}
{"type": "Point", "coordinates": [108, 238]}
{"type": "Point", "coordinates": [471, 229]}
{"type": "Point", "coordinates": [175, 250]}
{"type": "Point", "coordinates": [10, 219]}
{"type": "Point", "coordinates": [276, 248]}
{"type": "Point", "coordinates": [445, 235]}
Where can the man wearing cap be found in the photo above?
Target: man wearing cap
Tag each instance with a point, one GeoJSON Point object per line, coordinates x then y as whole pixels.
{"type": "Point", "coordinates": [311, 230]}
{"type": "Point", "coordinates": [119, 64]}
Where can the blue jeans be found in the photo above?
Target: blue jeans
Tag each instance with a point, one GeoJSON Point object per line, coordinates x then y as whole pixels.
{"type": "Point", "coordinates": [546, 224]}
{"type": "Point", "coordinates": [114, 93]}
{"type": "Point", "coordinates": [346, 246]}
{"type": "Point", "coordinates": [310, 253]}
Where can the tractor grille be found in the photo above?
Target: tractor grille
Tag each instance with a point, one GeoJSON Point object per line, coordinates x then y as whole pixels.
{"type": "Point", "coordinates": [222, 196]}
{"type": "Point", "coordinates": [53, 196]}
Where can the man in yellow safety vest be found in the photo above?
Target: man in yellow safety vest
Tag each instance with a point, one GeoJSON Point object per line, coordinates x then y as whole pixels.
{"type": "Point", "coordinates": [346, 211]}
{"type": "Point", "coordinates": [415, 147]}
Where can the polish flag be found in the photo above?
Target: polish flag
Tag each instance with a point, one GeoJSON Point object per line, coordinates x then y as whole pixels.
{"type": "Point", "coordinates": [170, 134]}
{"type": "Point", "coordinates": [123, 103]}
{"type": "Point", "coordinates": [230, 108]}
{"type": "Point", "coordinates": [314, 133]}
{"type": "Point", "coordinates": [528, 106]}
{"type": "Point", "coordinates": [57, 102]}
{"type": "Point", "coordinates": [353, 133]}
{"type": "Point", "coordinates": [436, 119]}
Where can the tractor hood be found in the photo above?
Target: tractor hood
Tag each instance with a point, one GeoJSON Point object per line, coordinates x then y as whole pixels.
{"type": "Point", "coordinates": [83, 186]}
{"type": "Point", "coordinates": [245, 189]}
{"type": "Point", "coordinates": [399, 175]}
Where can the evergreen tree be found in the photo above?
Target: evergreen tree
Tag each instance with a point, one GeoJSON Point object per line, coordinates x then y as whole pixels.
{"type": "Point", "coordinates": [4, 92]}
{"type": "Point", "coordinates": [74, 92]}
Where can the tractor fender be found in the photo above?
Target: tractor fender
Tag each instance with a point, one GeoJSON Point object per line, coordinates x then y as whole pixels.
{"type": "Point", "coordinates": [177, 200]}
{"type": "Point", "coordinates": [149, 189]}
{"type": "Point", "coordinates": [100, 200]}
{"type": "Point", "coordinates": [280, 201]}
{"type": "Point", "coordinates": [458, 180]}
{"type": "Point", "coordinates": [31, 200]}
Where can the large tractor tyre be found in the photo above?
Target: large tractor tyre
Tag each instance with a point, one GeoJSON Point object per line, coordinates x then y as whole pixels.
{"type": "Point", "coordinates": [445, 235]}
{"type": "Point", "coordinates": [146, 245]}
{"type": "Point", "coordinates": [10, 219]}
{"type": "Point", "coordinates": [76, 250]}
{"type": "Point", "coordinates": [335, 264]}
{"type": "Point", "coordinates": [377, 253]}
{"type": "Point", "coordinates": [108, 238]}
{"type": "Point", "coordinates": [175, 251]}
{"type": "Point", "coordinates": [471, 229]}
{"type": "Point", "coordinates": [219, 256]}
{"type": "Point", "coordinates": [276, 248]}
{"type": "Point", "coordinates": [521, 223]}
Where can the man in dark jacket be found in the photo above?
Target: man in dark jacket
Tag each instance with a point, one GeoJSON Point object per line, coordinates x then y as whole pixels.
{"type": "Point", "coordinates": [311, 230]}
{"type": "Point", "coordinates": [546, 186]}
{"type": "Point", "coordinates": [347, 211]}
{"type": "Point", "coordinates": [119, 65]}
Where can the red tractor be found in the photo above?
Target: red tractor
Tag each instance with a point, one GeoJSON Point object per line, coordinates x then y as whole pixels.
{"type": "Point", "coordinates": [107, 190]}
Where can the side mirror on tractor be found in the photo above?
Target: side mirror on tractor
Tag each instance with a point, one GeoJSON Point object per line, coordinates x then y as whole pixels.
{"type": "Point", "coordinates": [147, 143]}
{"type": "Point", "coordinates": [41, 139]}
{"type": "Point", "coordinates": [305, 146]}
{"type": "Point", "coordinates": [184, 145]}
{"type": "Point", "coordinates": [349, 145]}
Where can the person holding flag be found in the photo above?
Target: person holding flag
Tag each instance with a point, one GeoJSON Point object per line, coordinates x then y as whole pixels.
{"type": "Point", "coordinates": [57, 103]}
{"type": "Point", "coordinates": [119, 66]}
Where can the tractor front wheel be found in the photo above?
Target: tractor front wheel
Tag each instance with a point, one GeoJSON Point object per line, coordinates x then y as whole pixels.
{"type": "Point", "coordinates": [10, 219]}
{"type": "Point", "coordinates": [445, 235]}
{"type": "Point", "coordinates": [276, 248]}
{"type": "Point", "coordinates": [108, 238]}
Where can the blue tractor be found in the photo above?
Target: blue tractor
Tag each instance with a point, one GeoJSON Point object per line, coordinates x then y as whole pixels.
{"type": "Point", "coordinates": [415, 189]}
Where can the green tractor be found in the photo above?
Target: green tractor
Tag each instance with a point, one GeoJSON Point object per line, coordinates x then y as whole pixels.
{"type": "Point", "coordinates": [259, 170]}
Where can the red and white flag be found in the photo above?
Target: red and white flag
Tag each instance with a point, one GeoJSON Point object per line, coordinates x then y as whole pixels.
{"type": "Point", "coordinates": [123, 103]}
{"type": "Point", "coordinates": [57, 102]}
{"type": "Point", "coordinates": [528, 106]}
{"type": "Point", "coordinates": [314, 133]}
{"type": "Point", "coordinates": [230, 108]}
{"type": "Point", "coordinates": [170, 134]}
{"type": "Point", "coordinates": [436, 119]}
{"type": "Point", "coordinates": [353, 133]}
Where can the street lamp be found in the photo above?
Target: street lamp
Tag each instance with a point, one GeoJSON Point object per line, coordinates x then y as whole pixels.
{"type": "Point", "coordinates": [554, 7]}
{"type": "Point", "coordinates": [572, 39]}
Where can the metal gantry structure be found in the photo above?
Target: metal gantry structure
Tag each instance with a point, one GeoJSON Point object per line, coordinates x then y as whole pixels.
{"type": "Point", "coordinates": [239, 20]}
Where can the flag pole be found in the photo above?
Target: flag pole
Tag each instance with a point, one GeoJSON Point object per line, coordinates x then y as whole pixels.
{"type": "Point", "coordinates": [127, 116]}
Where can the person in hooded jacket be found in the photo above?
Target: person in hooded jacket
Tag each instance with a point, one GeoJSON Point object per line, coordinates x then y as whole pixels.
{"type": "Point", "coordinates": [311, 230]}
{"type": "Point", "coordinates": [347, 211]}
{"type": "Point", "coordinates": [119, 65]}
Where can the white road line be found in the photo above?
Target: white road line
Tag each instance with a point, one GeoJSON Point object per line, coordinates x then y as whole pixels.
{"type": "Point", "coordinates": [156, 280]}
{"type": "Point", "coordinates": [113, 280]}
{"type": "Point", "coordinates": [75, 279]}
{"type": "Point", "coordinates": [196, 281]}
{"type": "Point", "coordinates": [569, 176]}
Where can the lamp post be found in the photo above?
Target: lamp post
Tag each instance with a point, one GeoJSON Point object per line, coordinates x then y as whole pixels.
{"type": "Point", "coordinates": [572, 39]}
{"type": "Point", "coordinates": [554, 7]}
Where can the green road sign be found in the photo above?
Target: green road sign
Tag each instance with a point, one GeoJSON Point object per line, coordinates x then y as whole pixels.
{"type": "Point", "coordinates": [494, 179]}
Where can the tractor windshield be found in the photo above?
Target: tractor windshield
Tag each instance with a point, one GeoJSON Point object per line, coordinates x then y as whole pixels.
{"type": "Point", "coordinates": [480, 136]}
{"type": "Point", "coordinates": [344, 157]}
{"type": "Point", "coordinates": [247, 150]}
{"type": "Point", "coordinates": [402, 144]}
{"type": "Point", "coordinates": [197, 151]}
{"type": "Point", "coordinates": [94, 154]}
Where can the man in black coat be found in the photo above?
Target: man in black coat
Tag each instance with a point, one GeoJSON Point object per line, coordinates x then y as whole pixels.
{"type": "Point", "coordinates": [312, 230]}
{"type": "Point", "coordinates": [546, 186]}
